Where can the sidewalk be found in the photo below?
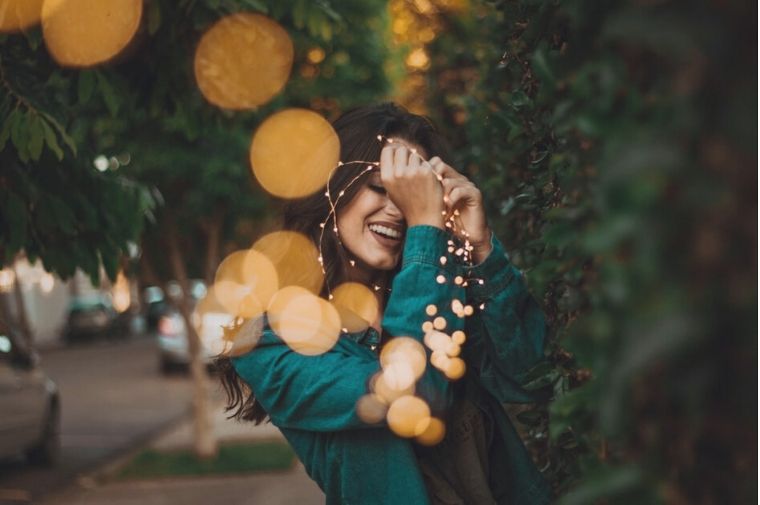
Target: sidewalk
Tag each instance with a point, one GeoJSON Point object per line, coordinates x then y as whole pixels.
{"type": "Point", "coordinates": [270, 488]}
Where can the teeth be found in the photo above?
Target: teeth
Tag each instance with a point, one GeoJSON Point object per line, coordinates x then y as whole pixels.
{"type": "Point", "coordinates": [384, 230]}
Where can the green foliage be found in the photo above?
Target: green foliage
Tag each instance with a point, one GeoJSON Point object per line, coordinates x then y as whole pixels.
{"type": "Point", "coordinates": [145, 108]}
{"type": "Point", "coordinates": [615, 144]}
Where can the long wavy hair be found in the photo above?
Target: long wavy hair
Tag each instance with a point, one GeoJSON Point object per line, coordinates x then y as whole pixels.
{"type": "Point", "coordinates": [358, 131]}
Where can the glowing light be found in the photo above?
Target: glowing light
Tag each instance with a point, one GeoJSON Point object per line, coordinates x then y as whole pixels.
{"type": "Point", "coordinates": [455, 368]}
{"type": "Point", "coordinates": [431, 310]}
{"type": "Point", "coordinates": [418, 59]}
{"type": "Point", "coordinates": [437, 341]}
{"type": "Point", "coordinates": [293, 152]}
{"type": "Point", "coordinates": [307, 323]}
{"type": "Point", "coordinates": [294, 257]}
{"type": "Point", "coordinates": [371, 408]}
{"type": "Point", "coordinates": [245, 281]}
{"type": "Point", "coordinates": [458, 280]}
{"type": "Point", "coordinates": [404, 360]}
{"type": "Point", "coordinates": [243, 61]}
{"type": "Point", "coordinates": [387, 388]}
{"type": "Point", "coordinates": [458, 337]}
{"type": "Point", "coordinates": [468, 310]}
{"type": "Point", "coordinates": [439, 359]}
{"type": "Point", "coordinates": [357, 305]}
{"type": "Point", "coordinates": [82, 33]}
{"type": "Point", "coordinates": [433, 434]}
{"type": "Point", "coordinates": [440, 279]}
{"type": "Point", "coordinates": [408, 416]}
{"type": "Point", "coordinates": [453, 349]}
{"type": "Point", "coordinates": [439, 323]}
{"type": "Point", "coordinates": [16, 15]}
{"type": "Point", "coordinates": [427, 326]}
{"type": "Point", "coordinates": [315, 55]}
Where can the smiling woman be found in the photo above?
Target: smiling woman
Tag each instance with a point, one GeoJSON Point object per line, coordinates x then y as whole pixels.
{"type": "Point", "coordinates": [405, 408]}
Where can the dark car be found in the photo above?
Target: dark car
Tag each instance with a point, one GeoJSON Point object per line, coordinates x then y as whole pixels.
{"type": "Point", "coordinates": [29, 403]}
{"type": "Point", "coordinates": [90, 317]}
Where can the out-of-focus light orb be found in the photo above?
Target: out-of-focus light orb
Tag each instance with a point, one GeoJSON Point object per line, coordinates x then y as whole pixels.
{"type": "Point", "coordinates": [439, 323]}
{"type": "Point", "coordinates": [293, 153]}
{"type": "Point", "coordinates": [242, 339]}
{"type": "Point", "coordinates": [356, 304]}
{"type": "Point", "coordinates": [16, 15]}
{"type": "Point", "coordinates": [82, 33]}
{"type": "Point", "coordinates": [243, 61]}
{"type": "Point", "coordinates": [458, 337]}
{"type": "Point", "coordinates": [408, 416]}
{"type": "Point", "coordinates": [433, 434]}
{"type": "Point", "coordinates": [294, 258]}
{"type": "Point", "coordinates": [455, 368]}
{"type": "Point", "coordinates": [371, 408]}
{"type": "Point", "coordinates": [307, 323]}
{"type": "Point", "coordinates": [244, 283]}
{"type": "Point", "coordinates": [101, 163]}
{"type": "Point", "coordinates": [315, 55]}
{"type": "Point", "coordinates": [403, 355]}
{"type": "Point", "coordinates": [418, 59]}
{"type": "Point", "coordinates": [436, 340]}
{"type": "Point", "coordinates": [431, 310]}
{"type": "Point", "coordinates": [386, 387]}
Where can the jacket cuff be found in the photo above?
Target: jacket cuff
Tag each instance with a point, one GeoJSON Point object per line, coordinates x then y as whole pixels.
{"type": "Point", "coordinates": [492, 275]}
{"type": "Point", "coordinates": [425, 244]}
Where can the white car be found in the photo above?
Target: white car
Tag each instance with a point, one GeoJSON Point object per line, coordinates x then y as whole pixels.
{"type": "Point", "coordinates": [29, 403]}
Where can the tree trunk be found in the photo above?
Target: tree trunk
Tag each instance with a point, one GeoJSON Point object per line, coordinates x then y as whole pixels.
{"type": "Point", "coordinates": [23, 318]}
{"type": "Point", "coordinates": [205, 444]}
{"type": "Point", "coordinates": [213, 229]}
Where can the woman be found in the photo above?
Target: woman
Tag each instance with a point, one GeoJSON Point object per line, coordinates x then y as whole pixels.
{"type": "Point", "coordinates": [392, 236]}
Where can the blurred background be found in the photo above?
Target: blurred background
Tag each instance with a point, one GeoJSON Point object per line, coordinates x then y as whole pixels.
{"type": "Point", "coordinates": [615, 145]}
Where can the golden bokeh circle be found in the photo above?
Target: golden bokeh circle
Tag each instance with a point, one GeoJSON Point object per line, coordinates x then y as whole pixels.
{"type": "Point", "coordinates": [371, 408]}
{"type": "Point", "coordinates": [433, 434]}
{"type": "Point", "coordinates": [244, 283]}
{"type": "Point", "coordinates": [307, 323]}
{"type": "Point", "coordinates": [293, 153]}
{"type": "Point", "coordinates": [243, 61]}
{"type": "Point", "coordinates": [294, 258]}
{"type": "Point", "coordinates": [404, 356]}
{"type": "Point", "coordinates": [17, 15]}
{"type": "Point", "coordinates": [407, 414]}
{"type": "Point", "coordinates": [82, 33]}
{"type": "Point", "coordinates": [357, 305]}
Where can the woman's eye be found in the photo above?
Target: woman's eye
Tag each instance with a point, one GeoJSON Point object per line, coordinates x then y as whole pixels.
{"type": "Point", "coordinates": [377, 189]}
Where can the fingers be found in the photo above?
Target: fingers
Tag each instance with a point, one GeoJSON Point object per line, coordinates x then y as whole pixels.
{"type": "Point", "coordinates": [386, 163]}
{"type": "Point", "coordinates": [444, 170]}
{"type": "Point", "coordinates": [460, 191]}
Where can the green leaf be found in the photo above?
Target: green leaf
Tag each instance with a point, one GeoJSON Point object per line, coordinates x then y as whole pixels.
{"type": "Point", "coordinates": [62, 132]}
{"type": "Point", "coordinates": [86, 84]}
{"type": "Point", "coordinates": [15, 216]}
{"type": "Point", "coordinates": [5, 133]}
{"type": "Point", "coordinates": [36, 137]}
{"type": "Point", "coordinates": [110, 97]}
{"type": "Point", "coordinates": [51, 140]}
{"type": "Point", "coordinates": [154, 17]}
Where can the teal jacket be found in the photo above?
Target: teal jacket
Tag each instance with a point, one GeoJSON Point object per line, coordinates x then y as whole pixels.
{"type": "Point", "coordinates": [312, 399]}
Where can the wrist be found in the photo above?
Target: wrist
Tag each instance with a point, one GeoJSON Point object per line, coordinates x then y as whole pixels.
{"type": "Point", "coordinates": [482, 248]}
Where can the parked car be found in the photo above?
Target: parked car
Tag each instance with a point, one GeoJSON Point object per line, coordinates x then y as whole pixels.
{"type": "Point", "coordinates": [90, 316]}
{"type": "Point", "coordinates": [29, 403]}
{"type": "Point", "coordinates": [172, 336]}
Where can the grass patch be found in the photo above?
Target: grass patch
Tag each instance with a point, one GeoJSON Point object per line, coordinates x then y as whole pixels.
{"type": "Point", "coordinates": [232, 458]}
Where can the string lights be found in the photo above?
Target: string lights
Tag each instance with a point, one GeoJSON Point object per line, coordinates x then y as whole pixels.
{"type": "Point", "coordinates": [462, 250]}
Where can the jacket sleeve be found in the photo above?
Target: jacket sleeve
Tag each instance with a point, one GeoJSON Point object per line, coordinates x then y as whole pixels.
{"type": "Point", "coordinates": [506, 337]}
{"type": "Point", "coordinates": [319, 393]}
{"type": "Point", "coordinates": [425, 279]}
{"type": "Point", "coordinates": [316, 393]}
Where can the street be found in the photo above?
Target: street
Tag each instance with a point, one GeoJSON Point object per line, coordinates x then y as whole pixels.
{"type": "Point", "coordinates": [112, 397]}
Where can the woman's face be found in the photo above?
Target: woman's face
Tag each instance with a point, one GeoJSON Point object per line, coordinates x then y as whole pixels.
{"type": "Point", "coordinates": [371, 227]}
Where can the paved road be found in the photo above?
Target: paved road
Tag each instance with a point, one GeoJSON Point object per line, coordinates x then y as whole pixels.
{"type": "Point", "coordinates": [112, 397]}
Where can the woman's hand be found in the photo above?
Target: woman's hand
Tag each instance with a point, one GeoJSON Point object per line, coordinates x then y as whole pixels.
{"type": "Point", "coordinates": [462, 195]}
{"type": "Point", "coordinates": [412, 186]}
